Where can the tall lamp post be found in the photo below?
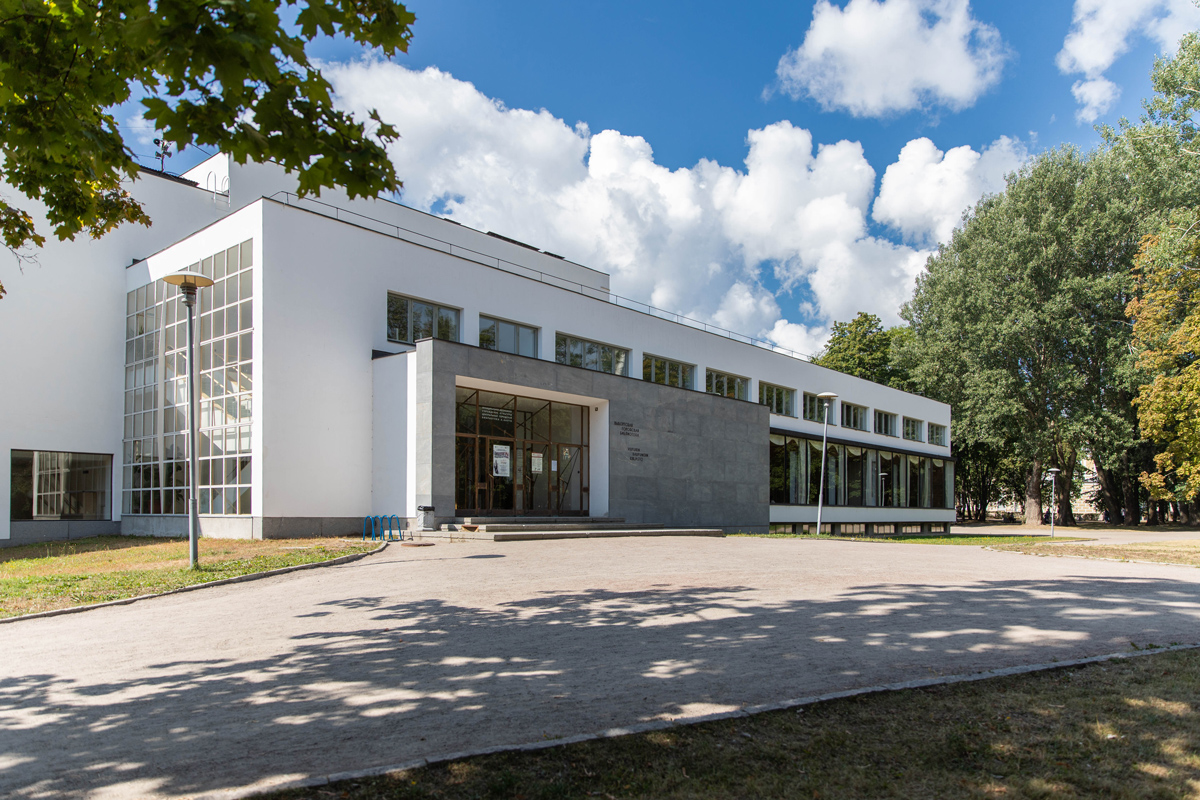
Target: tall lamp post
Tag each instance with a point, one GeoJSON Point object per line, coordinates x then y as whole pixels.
{"type": "Point", "coordinates": [188, 283]}
{"type": "Point", "coordinates": [828, 397]}
{"type": "Point", "coordinates": [1053, 496]}
{"type": "Point", "coordinates": [882, 483]}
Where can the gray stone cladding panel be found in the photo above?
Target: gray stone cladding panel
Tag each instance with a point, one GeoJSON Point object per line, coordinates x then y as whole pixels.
{"type": "Point", "coordinates": [37, 531]}
{"type": "Point", "coordinates": [676, 457]}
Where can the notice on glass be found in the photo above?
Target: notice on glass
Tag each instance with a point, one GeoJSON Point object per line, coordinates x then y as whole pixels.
{"type": "Point", "coordinates": [535, 464]}
{"type": "Point", "coordinates": [502, 461]}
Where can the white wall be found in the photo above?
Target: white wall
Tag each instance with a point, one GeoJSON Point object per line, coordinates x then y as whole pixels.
{"type": "Point", "coordinates": [393, 419]}
{"type": "Point", "coordinates": [325, 305]}
{"type": "Point", "coordinates": [63, 328]}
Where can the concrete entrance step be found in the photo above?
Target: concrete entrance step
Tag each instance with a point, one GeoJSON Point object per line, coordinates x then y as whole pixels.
{"type": "Point", "coordinates": [513, 519]}
{"type": "Point", "coordinates": [508, 527]}
{"type": "Point", "coordinates": [518, 524]}
{"type": "Point", "coordinates": [533, 533]}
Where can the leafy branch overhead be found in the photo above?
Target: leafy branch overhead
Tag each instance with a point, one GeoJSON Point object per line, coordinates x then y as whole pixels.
{"type": "Point", "coordinates": [230, 75]}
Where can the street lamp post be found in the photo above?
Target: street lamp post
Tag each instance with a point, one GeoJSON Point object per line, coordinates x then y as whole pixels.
{"type": "Point", "coordinates": [1053, 496]}
{"type": "Point", "coordinates": [828, 397]}
{"type": "Point", "coordinates": [882, 484]}
{"type": "Point", "coordinates": [188, 283]}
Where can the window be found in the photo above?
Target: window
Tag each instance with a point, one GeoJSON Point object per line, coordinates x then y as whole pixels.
{"type": "Point", "coordinates": [854, 417]}
{"type": "Point", "coordinates": [937, 434]}
{"type": "Point", "coordinates": [507, 337]}
{"type": "Point", "coordinates": [154, 467]}
{"type": "Point", "coordinates": [814, 409]}
{"type": "Point", "coordinates": [856, 476]}
{"type": "Point", "coordinates": [778, 399]}
{"type": "Point", "coordinates": [726, 385]}
{"type": "Point", "coordinates": [912, 429]}
{"type": "Point", "coordinates": [885, 423]}
{"type": "Point", "coordinates": [410, 320]}
{"type": "Point", "coordinates": [591, 355]}
{"type": "Point", "coordinates": [48, 485]}
{"type": "Point", "coordinates": [667, 372]}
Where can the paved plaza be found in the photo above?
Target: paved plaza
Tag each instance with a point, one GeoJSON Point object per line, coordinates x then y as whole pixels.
{"type": "Point", "coordinates": [418, 652]}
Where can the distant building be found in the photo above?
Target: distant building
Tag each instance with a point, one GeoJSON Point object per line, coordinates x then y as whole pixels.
{"type": "Point", "coordinates": [360, 357]}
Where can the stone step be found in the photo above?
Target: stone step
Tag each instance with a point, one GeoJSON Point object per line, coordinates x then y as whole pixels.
{"type": "Point", "coordinates": [517, 527]}
{"type": "Point", "coordinates": [514, 519]}
{"type": "Point", "coordinates": [534, 534]}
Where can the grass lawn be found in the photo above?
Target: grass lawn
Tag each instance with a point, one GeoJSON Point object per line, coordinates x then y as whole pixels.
{"type": "Point", "coordinates": [43, 577]}
{"type": "Point", "coordinates": [1121, 729]}
{"type": "Point", "coordinates": [1184, 551]}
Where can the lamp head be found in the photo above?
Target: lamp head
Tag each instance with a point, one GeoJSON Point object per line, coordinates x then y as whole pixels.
{"type": "Point", "coordinates": [827, 396]}
{"type": "Point", "coordinates": [186, 279]}
{"type": "Point", "coordinates": [1053, 471]}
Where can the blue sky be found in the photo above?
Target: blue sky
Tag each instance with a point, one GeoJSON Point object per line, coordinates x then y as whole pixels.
{"type": "Point", "coordinates": [489, 98]}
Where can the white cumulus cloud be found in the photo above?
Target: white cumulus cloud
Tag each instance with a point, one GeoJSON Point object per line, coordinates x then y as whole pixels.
{"type": "Point", "coordinates": [1103, 30]}
{"type": "Point", "coordinates": [699, 240]}
{"type": "Point", "coordinates": [924, 193]}
{"type": "Point", "coordinates": [875, 58]}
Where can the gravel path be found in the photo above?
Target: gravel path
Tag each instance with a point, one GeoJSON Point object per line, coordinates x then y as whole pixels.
{"type": "Point", "coordinates": [417, 652]}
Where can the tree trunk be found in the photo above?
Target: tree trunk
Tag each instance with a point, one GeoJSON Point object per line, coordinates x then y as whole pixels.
{"type": "Point", "coordinates": [1109, 491]}
{"type": "Point", "coordinates": [1066, 515]}
{"type": "Point", "coordinates": [1033, 494]}
{"type": "Point", "coordinates": [1152, 512]}
{"type": "Point", "coordinates": [1133, 508]}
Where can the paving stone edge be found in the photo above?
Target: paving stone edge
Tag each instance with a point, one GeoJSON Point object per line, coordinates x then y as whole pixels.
{"type": "Point", "coordinates": [661, 724]}
{"type": "Point", "coordinates": [254, 576]}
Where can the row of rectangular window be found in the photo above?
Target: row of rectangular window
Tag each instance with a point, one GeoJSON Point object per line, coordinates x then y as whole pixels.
{"type": "Point", "coordinates": [229, 501]}
{"type": "Point", "coordinates": [410, 319]}
{"type": "Point", "coordinates": [857, 476]}
{"type": "Point", "coordinates": [854, 417]}
{"type": "Point", "coordinates": [229, 471]}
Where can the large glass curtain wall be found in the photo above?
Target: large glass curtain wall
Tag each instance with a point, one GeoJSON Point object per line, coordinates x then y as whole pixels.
{"type": "Point", "coordinates": [857, 476]}
{"type": "Point", "coordinates": [519, 455]}
{"type": "Point", "coordinates": [155, 465]}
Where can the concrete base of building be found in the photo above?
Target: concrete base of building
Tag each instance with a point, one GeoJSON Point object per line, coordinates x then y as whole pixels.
{"type": "Point", "coordinates": [245, 527]}
{"type": "Point", "coordinates": [56, 530]}
{"type": "Point", "coordinates": [863, 528]}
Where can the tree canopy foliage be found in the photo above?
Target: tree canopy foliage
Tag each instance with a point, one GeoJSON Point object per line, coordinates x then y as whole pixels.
{"type": "Point", "coordinates": [231, 75]}
{"type": "Point", "coordinates": [1019, 320]}
{"type": "Point", "coordinates": [1164, 155]}
{"type": "Point", "coordinates": [862, 347]}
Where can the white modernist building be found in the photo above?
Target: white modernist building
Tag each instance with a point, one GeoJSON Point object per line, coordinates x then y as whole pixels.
{"type": "Point", "coordinates": [361, 358]}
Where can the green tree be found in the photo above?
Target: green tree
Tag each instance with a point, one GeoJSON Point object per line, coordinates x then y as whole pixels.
{"type": "Point", "coordinates": [225, 74]}
{"type": "Point", "coordinates": [863, 348]}
{"type": "Point", "coordinates": [1164, 160]}
{"type": "Point", "coordinates": [1018, 321]}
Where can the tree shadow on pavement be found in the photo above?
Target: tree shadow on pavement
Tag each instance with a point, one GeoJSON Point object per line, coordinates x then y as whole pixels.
{"type": "Point", "coordinates": [418, 678]}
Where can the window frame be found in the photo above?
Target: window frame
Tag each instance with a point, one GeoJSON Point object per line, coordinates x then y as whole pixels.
{"type": "Point", "coordinates": [599, 354]}
{"type": "Point", "coordinates": [686, 372]}
{"type": "Point", "coordinates": [888, 416]}
{"type": "Point", "coordinates": [855, 410]}
{"type": "Point", "coordinates": [918, 426]}
{"type": "Point", "coordinates": [776, 390]}
{"type": "Point", "coordinates": [712, 375]}
{"type": "Point", "coordinates": [816, 401]}
{"type": "Point", "coordinates": [439, 308]}
{"type": "Point", "coordinates": [940, 430]}
{"type": "Point", "coordinates": [537, 336]}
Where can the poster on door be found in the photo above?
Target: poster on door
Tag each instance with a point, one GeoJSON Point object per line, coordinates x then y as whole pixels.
{"type": "Point", "coordinates": [535, 463]}
{"type": "Point", "coordinates": [501, 461]}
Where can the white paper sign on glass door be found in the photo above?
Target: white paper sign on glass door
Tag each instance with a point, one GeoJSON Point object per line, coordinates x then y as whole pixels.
{"type": "Point", "coordinates": [535, 464]}
{"type": "Point", "coordinates": [501, 461]}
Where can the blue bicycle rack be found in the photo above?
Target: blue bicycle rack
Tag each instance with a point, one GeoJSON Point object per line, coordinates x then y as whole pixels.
{"type": "Point", "coordinates": [385, 528]}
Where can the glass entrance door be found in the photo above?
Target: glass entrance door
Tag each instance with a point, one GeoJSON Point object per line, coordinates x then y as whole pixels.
{"type": "Point", "coordinates": [519, 455]}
